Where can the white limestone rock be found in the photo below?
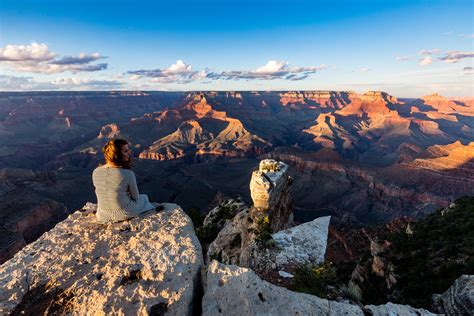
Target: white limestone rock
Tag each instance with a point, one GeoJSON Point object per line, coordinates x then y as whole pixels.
{"type": "Point", "coordinates": [458, 299]}
{"type": "Point", "coordinates": [303, 244]}
{"type": "Point", "coordinates": [285, 274]}
{"type": "Point", "coordinates": [145, 265]}
{"type": "Point", "coordinates": [268, 183]}
{"type": "Point", "coordinates": [232, 290]}
{"type": "Point", "coordinates": [391, 309]}
{"type": "Point", "coordinates": [223, 213]}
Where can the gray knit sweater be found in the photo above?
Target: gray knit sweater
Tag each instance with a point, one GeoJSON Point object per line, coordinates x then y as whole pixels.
{"type": "Point", "coordinates": [117, 194]}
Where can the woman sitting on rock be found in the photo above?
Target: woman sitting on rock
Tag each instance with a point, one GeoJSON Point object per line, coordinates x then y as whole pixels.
{"type": "Point", "coordinates": [116, 186]}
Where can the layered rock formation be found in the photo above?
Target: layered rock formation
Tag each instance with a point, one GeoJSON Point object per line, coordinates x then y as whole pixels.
{"type": "Point", "coordinates": [148, 265]}
{"type": "Point", "coordinates": [454, 158]}
{"type": "Point", "coordinates": [151, 265]}
{"type": "Point", "coordinates": [205, 132]}
{"type": "Point", "coordinates": [358, 157]}
{"type": "Point", "coordinates": [458, 299]}
{"type": "Point", "coordinates": [27, 209]}
{"type": "Point", "coordinates": [269, 189]}
{"type": "Point", "coordinates": [238, 241]}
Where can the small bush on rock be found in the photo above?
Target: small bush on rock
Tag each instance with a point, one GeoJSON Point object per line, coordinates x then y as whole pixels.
{"type": "Point", "coordinates": [264, 231]}
{"type": "Point", "coordinates": [352, 292]}
{"type": "Point", "coordinates": [315, 279]}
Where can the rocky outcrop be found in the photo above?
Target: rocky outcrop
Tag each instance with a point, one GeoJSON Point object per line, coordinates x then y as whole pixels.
{"type": "Point", "coordinates": [239, 240]}
{"type": "Point", "coordinates": [302, 244]}
{"type": "Point", "coordinates": [269, 189]}
{"type": "Point", "coordinates": [390, 309]}
{"type": "Point", "coordinates": [222, 213]}
{"type": "Point", "coordinates": [454, 159]}
{"type": "Point", "coordinates": [233, 290]}
{"type": "Point", "coordinates": [458, 299]}
{"type": "Point", "coordinates": [147, 265]}
{"type": "Point", "coordinates": [109, 131]}
{"type": "Point", "coordinates": [205, 134]}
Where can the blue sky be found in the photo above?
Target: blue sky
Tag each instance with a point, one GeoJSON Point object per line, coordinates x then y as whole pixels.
{"type": "Point", "coordinates": [407, 48]}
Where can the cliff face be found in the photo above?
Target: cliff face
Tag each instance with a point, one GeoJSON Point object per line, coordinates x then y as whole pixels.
{"type": "Point", "coordinates": [26, 210]}
{"type": "Point", "coordinates": [151, 265]}
{"type": "Point", "coordinates": [367, 195]}
{"type": "Point", "coordinates": [237, 242]}
{"type": "Point", "coordinates": [408, 260]}
{"type": "Point", "coordinates": [148, 265]}
{"type": "Point", "coordinates": [351, 137]}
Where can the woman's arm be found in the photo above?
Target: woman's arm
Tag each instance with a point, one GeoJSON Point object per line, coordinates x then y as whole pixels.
{"type": "Point", "coordinates": [132, 186]}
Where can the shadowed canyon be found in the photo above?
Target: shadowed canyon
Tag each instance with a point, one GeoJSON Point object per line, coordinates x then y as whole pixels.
{"type": "Point", "coordinates": [362, 158]}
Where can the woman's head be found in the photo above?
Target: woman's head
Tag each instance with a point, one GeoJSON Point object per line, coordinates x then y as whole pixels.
{"type": "Point", "coordinates": [117, 152]}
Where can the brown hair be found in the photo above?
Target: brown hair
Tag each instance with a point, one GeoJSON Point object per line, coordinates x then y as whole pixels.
{"type": "Point", "coordinates": [113, 153]}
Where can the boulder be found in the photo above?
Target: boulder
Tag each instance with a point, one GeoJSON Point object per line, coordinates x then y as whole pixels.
{"type": "Point", "coordinates": [458, 299]}
{"type": "Point", "coordinates": [237, 242]}
{"type": "Point", "coordinates": [146, 265]}
{"type": "Point", "coordinates": [302, 244]}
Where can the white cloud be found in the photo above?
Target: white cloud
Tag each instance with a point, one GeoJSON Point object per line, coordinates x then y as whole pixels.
{"type": "Point", "coordinates": [365, 69]}
{"type": "Point", "coordinates": [37, 58]}
{"type": "Point", "coordinates": [180, 72]}
{"type": "Point", "coordinates": [83, 58]}
{"type": "Point", "coordinates": [429, 51]}
{"type": "Point", "coordinates": [47, 68]}
{"type": "Point", "coordinates": [426, 61]}
{"type": "Point", "coordinates": [456, 56]}
{"type": "Point", "coordinates": [14, 83]}
{"type": "Point", "coordinates": [272, 67]}
{"type": "Point", "coordinates": [180, 67]}
{"type": "Point", "coordinates": [32, 52]}
{"type": "Point", "coordinates": [271, 70]}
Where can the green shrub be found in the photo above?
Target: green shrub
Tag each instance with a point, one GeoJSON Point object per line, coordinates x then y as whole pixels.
{"type": "Point", "coordinates": [263, 231]}
{"type": "Point", "coordinates": [439, 251]}
{"type": "Point", "coordinates": [315, 279]}
{"type": "Point", "coordinates": [352, 291]}
{"type": "Point", "coordinates": [207, 234]}
{"type": "Point", "coordinates": [196, 217]}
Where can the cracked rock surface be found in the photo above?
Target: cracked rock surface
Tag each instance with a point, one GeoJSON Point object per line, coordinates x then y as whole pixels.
{"type": "Point", "coordinates": [146, 265]}
{"type": "Point", "coordinates": [232, 290]}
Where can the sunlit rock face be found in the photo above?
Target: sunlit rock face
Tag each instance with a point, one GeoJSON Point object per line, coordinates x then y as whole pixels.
{"type": "Point", "coordinates": [206, 134]}
{"type": "Point", "coordinates": [269, 189]}
{"type": "Point", "coordinates": [146, 265]}
{"type": "Point", "coordinates": [454, 158]}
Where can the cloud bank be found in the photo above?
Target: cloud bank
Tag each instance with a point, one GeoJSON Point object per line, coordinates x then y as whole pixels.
{"type": "Point", "coordinates": [456, 56]}
{"type": "Point", "coordinates": [180, 72]}
{"type": "Point", "coordinates": [20, 83]}
{"type": "Point", "coordinates": [38, 58]}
